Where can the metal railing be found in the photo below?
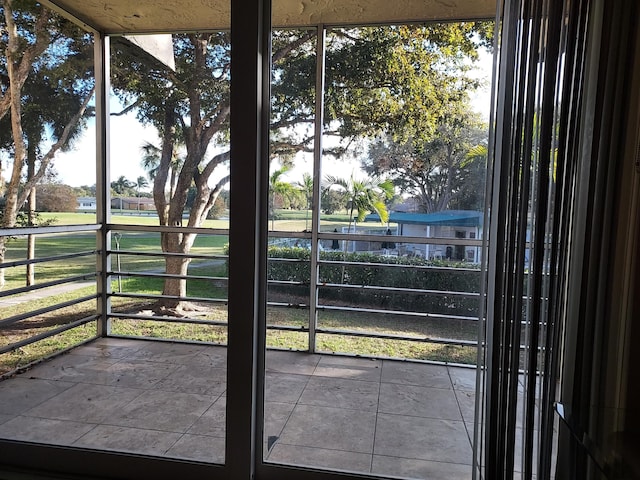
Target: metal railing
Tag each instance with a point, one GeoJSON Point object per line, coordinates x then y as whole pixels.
{"type": "Point", "coordinates": [314, 297]}
{"type": "Point", "coordinates": [31, 313]}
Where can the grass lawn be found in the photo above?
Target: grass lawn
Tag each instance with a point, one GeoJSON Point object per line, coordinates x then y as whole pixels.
{"type": "Point", "coordinates": [276, 316]}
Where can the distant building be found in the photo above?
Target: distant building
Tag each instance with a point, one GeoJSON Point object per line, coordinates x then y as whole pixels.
{"type": "Point", "coordinates": [86, 203]}
{"type": "Point", "coordinates": [132, 203]}
{"type": "Point", "coordinates": [458, 224]}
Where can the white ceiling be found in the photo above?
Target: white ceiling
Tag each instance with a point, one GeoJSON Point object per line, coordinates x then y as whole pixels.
{"type": "Point", "coordinates": [157, 16]}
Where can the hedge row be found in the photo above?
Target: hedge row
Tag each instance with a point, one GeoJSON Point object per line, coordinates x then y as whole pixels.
{"type": "Point", "coordinates": [371, 270]}
{"type": "Point", "coordinates": [447, 276]}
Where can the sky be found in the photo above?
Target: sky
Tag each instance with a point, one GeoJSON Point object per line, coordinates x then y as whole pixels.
{"type": "Point", "coordinates": [77, 166]}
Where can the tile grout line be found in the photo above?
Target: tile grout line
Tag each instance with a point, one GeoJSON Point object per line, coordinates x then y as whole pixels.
{"type": "Point", "coordinates": [290, 413]}
{"type": "Point", "coordinates": [375, 425]}
{"type": "Point", "coordinates": [469, 435]}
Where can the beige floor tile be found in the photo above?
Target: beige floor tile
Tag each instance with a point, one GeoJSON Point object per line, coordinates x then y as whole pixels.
{"type": "Point", "coordinates": [20, 394]}
{"type": "Point", "coordinates": [418, 401]}
{"type": "Point", "coordinates": [334, 428]}
{"type": "Point", "coordinates": [467, 403]}
{"type": "Point", "coordinates": [319, 457]}
{"type": "Point", "coordinates": [300, 363]}
{"type": "Point", "coordinates": [422, 439]}
{"type": "Point", "coordinates": [212, 422]}
{"type": "Point", "coordinates": [419, 469]}
{"type": "Point", "coordinates": [199, 448]}
{"type": "Point", "coordinates": [86, 403]}
{"type": "Point", "coordinates": [44, 430]}
{"type": "Point", "coordinates": [349, 367]}
{"type": "Point", "coordinates": [341, 393]}
{"type": "Point", "coordinates": [169, 352]}
{"type": "Point", "coordinates": [199, 379]}
{"type": "Point", "coordinates": [419, 374]}
{"type": "Point", "coordinates": [276, 416]}
{"type": "Point", "coordinates": [284, 387]}
{"type": "Point", "coordinates": [124, 439]}
{"type": "Point", "coordinates": [463, 378]}
{"type": "Point", "coordinates": [159, 410]}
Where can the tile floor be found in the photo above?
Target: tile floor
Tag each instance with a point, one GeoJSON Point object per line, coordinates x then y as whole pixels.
{"type": "Point", "coordinates": [167, 399]}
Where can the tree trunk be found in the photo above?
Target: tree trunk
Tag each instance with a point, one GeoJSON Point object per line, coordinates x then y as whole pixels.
{"type": "Point", "coordinates": [173, 242]}
{"type": "Point", "coordinates": [175, 287]}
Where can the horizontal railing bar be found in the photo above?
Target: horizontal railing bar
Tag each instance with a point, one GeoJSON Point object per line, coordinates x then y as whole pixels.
{"type": "Point", "coordinates": [52, 283]}
{"type": "Point", "coordinates": [51, 308]}
{"type": "Point", "coordinates": [151, 296]}
{"type": "Point", "coordinates": [165, 275]}
{"type": "Point", "coordinates": [52, 258]}
{"type": "Point", "coordinates": [281, 234]}
{"type": "Point", "coordinates": [164, 228]}
{"type": "Point", "coordinates": [371, 310]}
{"type": "Point", "coordinates": [288, 328]}
{"type": "Point", "coordinates": [197, 321]}
{"type": "Point", "coordinates": [396, 312]}
{"type": "Point", "coordinates": [381, 237]}
{"type": "Point", "coordinates": [292, 260]}
{"type": "Point", "coordinates": [167, 254]}
{"type": "Point", "coordinates": [381, 357]}
{"type": "Point", "coordinates": [401, 239]}
{"type": "Point", "coordinates": [397, 265]}
{"type": "Point", "coordinates": [399, 289]}
{"type": "Point", "coordinates": [287, 282]}
{"type": "Point", "coordinates": [20, 231]}
{"type": "Point", "coordinates": [391, 336]}
{"type": "Point", "coordinates": [47, 334]}
{"type": "Point", "coordinates": [369, 334]}
{"type": "Point", "coordinates": [287, 305]}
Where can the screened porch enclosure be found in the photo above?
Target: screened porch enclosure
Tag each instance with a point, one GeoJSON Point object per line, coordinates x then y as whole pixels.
{"type": "Point", "coordinates": [367, 351]}
{"type": "Point", "coordinates": [323, 291]}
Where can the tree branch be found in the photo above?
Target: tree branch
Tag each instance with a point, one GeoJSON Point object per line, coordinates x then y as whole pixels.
{"type": "Point", "coordinates": [127, 109]}
{"type": "Point", "coordinates": [213, 163]}
{"type": "Point", "coordinates": [61, 142]}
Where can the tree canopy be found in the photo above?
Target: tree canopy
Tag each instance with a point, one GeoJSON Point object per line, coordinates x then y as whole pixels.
{"type": "Point", "coordinates": [379, 80]}
{"type": "Point", "coordinates": [43, 57]}
{"type": "Point", "coordinates": [435, 169]}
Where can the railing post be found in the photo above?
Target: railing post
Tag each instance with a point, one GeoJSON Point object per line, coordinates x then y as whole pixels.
{"type": "Point", "coordinates": [317, 172]}
{"type": "Point", "coordinates": [103, 195]}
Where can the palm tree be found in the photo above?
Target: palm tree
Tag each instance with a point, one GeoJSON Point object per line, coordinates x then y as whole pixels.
{"type": "Point", "coordinates": [151, 161]}
{"type": "Point", "coordinates": [278, 187]}
{"type": "Point", "coordinates": [141, 183]}
{"type": "Point", "coordinates": [364, 196]}
{"type": "Point", "coordinates": [306, 187]}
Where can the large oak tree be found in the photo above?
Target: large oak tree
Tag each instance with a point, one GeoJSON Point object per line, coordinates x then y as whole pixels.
{"type": "Point", "coordinates": [382, 79]}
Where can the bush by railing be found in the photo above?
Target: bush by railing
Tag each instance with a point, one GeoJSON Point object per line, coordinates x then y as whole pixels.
{"type": "Point", "coordinates": [445, 275]}
{"type": "Point", "coordinates": [373, 270]}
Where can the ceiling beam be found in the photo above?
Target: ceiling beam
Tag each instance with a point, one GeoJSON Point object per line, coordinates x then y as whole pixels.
{"type": "Point", "coordinates": [120, 17]}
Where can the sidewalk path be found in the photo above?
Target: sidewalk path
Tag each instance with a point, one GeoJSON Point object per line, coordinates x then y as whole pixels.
{"type": "Point", "coordinates": [41, 293]}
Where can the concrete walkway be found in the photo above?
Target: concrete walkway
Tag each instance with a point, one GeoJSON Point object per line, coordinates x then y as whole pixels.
{"type": "Point", "coordinates": [13, 300]}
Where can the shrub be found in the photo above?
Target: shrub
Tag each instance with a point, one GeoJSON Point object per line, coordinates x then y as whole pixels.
{"type": "Point", "coordinates": [293, 264]}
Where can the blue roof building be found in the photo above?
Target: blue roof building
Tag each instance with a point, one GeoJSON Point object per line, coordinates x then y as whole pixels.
{"type": "Point", "coordinates": [450, 229]}
{"type": "Point", "coordinates": [451, 218]}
